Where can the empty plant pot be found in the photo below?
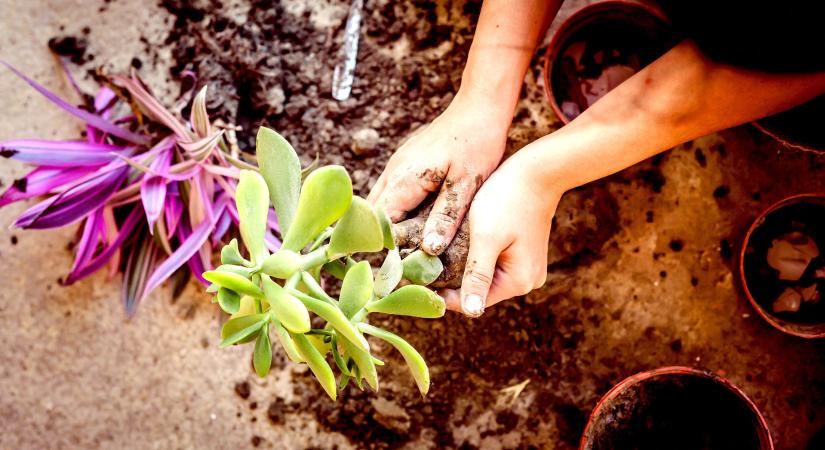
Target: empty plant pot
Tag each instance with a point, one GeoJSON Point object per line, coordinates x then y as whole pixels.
{"type": "Point", "coordinates": [676, 408]}
{"type": "Point", "coordinates": [799, 128]}
{"type": "Point", "coordinates": [782, 265]}
{"type": "Point", "coordinates": [599, 47]}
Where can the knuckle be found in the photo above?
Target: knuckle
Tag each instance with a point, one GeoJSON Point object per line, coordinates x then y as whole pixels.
{"type": "Point", "coordinates": [477, 278]}
{"type": "Point", "coordinates": [541, 279]}
{"type": "Point", "coordinates": [444, 217]}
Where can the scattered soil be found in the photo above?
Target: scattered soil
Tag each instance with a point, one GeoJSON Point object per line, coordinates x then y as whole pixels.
{"type": "Point", "coordinates": [676, 412]}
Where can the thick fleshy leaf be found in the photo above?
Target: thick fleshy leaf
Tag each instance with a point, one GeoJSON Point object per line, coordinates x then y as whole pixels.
{"type": "Point", "coordinates": [357, 231]}
{"type": "Point", "coordinates": [325, 197]}
{"type": "Point", "coordinates": [282, 264]}
{"type": "Point", "coordinates": [229, 301]}
{"type": "Point", "coordinates": [187, 248]}
{"type": "Point", "coordinates": [389, 275]}
{"type": "Point", "coordinates": [247, 306]}
{"type": "Point", "coordinates": [286, 342]}
{"type": "Point", "coordinates": [58, 153]}
{"type": "Point", "coordinates": [114, 245]}
{"type": "Point", "coordinates": [143, 257]}
{"type": "Point", "coordinates": [262, 356]}
{"type": "Point", "coordinates": [199, 118]}
{"type": "Point", "coordinates": [90, 118]}
{"type": "Point", "coordinates": [422, 268]}
{"type": "Point", "coordinates": [386, 227]}
{"type": "Point", "coordinates": [416, 363]}
{"type": "Point", "coordinates": [230, 254]}
{"type": "Point", "coordinates": [74, 203]}
{"type": "Point", "coordinates": [281, 168]}
{"type": "Point", "coordinates": [292, 314]}
{"type": "Point", "coordinates": [357, 289]}
{"type": "Point", "coordinates": [233, 281]}
{"type": "Point", "coordinates": [153, 189]}
{"type": "Point", "coordinates": [317, 364]}
{"type": "Point", "coordinates": [412, 301]}
{"type": "Point", "coordinates": [41, 180]}
{"type": "Point", "coordinates": [334, 317]}
{"type": "Point", "coordinates": [236, 330]}
{"type": "Point", "coordinates": [252, 201]}
{"type": "Point", "coordinates": [363, 360]}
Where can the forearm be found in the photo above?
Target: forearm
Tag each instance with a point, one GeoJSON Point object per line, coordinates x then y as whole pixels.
{"type": "Point", "coordinates": [679, 97]}
{"type": "Point", "coordinates": [506, 37]}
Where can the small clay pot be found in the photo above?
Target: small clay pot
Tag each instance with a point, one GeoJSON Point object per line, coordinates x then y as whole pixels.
{"type": "Point", "coordinates": [799, 128]}
{"type": "Point", "coordinates": [676, 408]}
{"type": "Point", "coordinates": [803, 209]}
{"type": "Point", "coordinates": [620, 37]}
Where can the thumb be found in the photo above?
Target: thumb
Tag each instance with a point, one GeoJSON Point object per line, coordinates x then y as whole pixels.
{"type": "Point", "coordinates": [478, 275]}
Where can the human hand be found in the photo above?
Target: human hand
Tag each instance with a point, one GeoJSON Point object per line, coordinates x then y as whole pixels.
{"type": "Point", "coordinates": [453, 155]}
{"type": "Point", "coordinates": [510, 220]}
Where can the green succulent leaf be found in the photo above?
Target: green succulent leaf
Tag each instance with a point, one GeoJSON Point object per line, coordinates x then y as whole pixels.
{"type": "Point", "coordinates": [248, 305]}
{"type": "Point", "coordinates": [389, 275]}
{"type": "Point", "coordinates": [416, 363]}
{"type": "Point", "coordinates": [282, 264]}
{"type": "Point", "coordinates": [363, 362]}
{"type": "Point", "coordinates": [281, 168]}
{"type": "Point", "coordinates": [236, 330]}
{"type": "Point", "coordinates": [422, 268]}
{"type": "Point", "coordinates": [357, 289]}
{"type": "Point", "coordinates": [325, 197]}
{"type": "Point", "coordinates": [234, 282]}
{"type": "Point", "coordinates": [317, 364]}
{"type": "Point", "coordinates": [252, 200]}
{"type": "Point", "coordinates": [336, 268]}
{"type": "Point", "coordinates": [243, 271]}
{"type": "Point", "coordinates": [336, 356]}
{"type": "Point", "coordinates": [386, 227]}
{"type": "Point", "coordinates": [286, 342]}
{"type": "Point", "coordinates": [287, 309]}
{"type": "Point", "coordinates": [230, 254]}
{"type": "Point", "coordinates": [262, 356]}
{"type": "Point", "coordinates": [212, 288]}
{"type": "Point", "coordinates": [335, 317]}
{"type": "Point", "coordinates": [229, 301]}
{"type": "Point", "coordinates": [358, 231]}
{"type": "Point", "coordinates": [412, 301]}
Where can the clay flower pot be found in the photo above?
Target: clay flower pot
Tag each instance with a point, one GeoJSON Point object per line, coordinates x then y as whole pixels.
{"type": "Point", "coordinates": [799, 128]}
{"type": "Point", "coordinates": [676, 408]}
{"type": "Point", "coordinates": [802, 217]}
{"type": "Point", "coordinates": [597, 48]}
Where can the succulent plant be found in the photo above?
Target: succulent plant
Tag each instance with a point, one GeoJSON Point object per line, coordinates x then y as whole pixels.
{"type": "Point", "coordinates": [324, 229]}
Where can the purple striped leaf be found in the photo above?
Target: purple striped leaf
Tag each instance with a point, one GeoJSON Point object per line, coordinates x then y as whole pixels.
{"type": "Point", "coordinates": [153, 107]}
{"type": "Point", "coordinates": [143, 257]}
{"type": "Point", "coordinates": [74, 203]}
{"type": "Point", "coordinates": [90, 118]}
{"type": "Point", "coordinates": [103, 257]}
{"type": "Point", "coordinates": [39, 181]}
{"type": "Point", "coordinates": [173, 209]}
{"type": "Point", "coordinates": [153, 189]}
{"type": "Point", "coordinates": [89, 239]}
{"type": "Point", "coordinates": [58, 153]}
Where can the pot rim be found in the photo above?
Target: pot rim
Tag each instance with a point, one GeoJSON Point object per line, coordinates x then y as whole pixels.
{"type": "Point", "coordinates": [783, 139]}
{"type": "Point", "coordinates": [779, 324]}
{"type": "Point", "coordinates": [563, 32]}
{"type": "Point", "coordinates": [763, 431]}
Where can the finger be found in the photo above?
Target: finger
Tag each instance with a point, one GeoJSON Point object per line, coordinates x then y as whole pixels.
{"type": "Point", "coordinates": [452, 298]}
{"type": "Point", "coordinates": [376, 190]}
{"type": "Point", "coordinates": [407, 189]}
{"type": "Point", "coordinates": [479, 273]}
{"type": "Point", "coordinates": [448, 211]}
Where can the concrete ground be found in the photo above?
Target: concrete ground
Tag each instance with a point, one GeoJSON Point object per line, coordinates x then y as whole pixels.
{"type": "Point", "coordinates": [75, 374]}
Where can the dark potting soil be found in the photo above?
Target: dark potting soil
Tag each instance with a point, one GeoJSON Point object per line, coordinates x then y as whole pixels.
{"type": "Point", "coordinates": [762, 279]}
{"type": "Point", "coordinates": [602, 52]}
{"type": "Point", "coordinates": [675, 412]}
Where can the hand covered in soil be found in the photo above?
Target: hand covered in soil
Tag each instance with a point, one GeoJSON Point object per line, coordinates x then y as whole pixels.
{"type": "Point", "coordinates": [510, 221]}
{"type": "Point", "coordinates": [452, 156]}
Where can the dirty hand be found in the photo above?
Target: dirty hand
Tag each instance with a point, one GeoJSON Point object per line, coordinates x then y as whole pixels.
{"type": "Point", "coordinates": [453, 155]}
{"type": "Point", "coordinates": [510, 222]}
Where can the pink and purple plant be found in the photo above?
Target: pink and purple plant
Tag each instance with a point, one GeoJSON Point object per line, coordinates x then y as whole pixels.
{"type": "Point", "coordinates": [153, 194]}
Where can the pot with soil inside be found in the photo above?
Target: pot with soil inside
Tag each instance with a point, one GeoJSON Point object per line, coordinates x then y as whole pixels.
{"type": "Point", "coordinates": [598, 48]}
{"type": "Point", "coordinates": [782, 265]}
{"type": "Point", "coordinates": [676, 408]}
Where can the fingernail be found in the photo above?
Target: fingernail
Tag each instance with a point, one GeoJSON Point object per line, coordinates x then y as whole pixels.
{"type": "Point", "coordinates": [473, 305]}
{"type": "Point", "coordinates": [433, 242]}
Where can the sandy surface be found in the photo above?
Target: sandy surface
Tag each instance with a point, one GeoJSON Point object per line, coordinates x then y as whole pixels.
{"type": "Point", "coordinates": [75, 374]}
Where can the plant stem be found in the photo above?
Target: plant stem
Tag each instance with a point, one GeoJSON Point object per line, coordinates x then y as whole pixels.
{"type": "Point", "coordinates": [321, 238]}
{"type": "Point", "coordinates": [315, 289]}
{"type": "Point", "coordinates": [360, 315]}
{"type": "Point", "coordinates": [315, 258]}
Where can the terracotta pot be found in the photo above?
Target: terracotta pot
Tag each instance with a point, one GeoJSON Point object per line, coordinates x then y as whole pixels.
{"type": "Point", "coordinates": [799, 128]}
{"type": "Point", "coordinates": [628, 402]}
{"type": "Point", "coordinates": [643, 26]}
{"type": "Point", "coordinates": [810, 330]}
